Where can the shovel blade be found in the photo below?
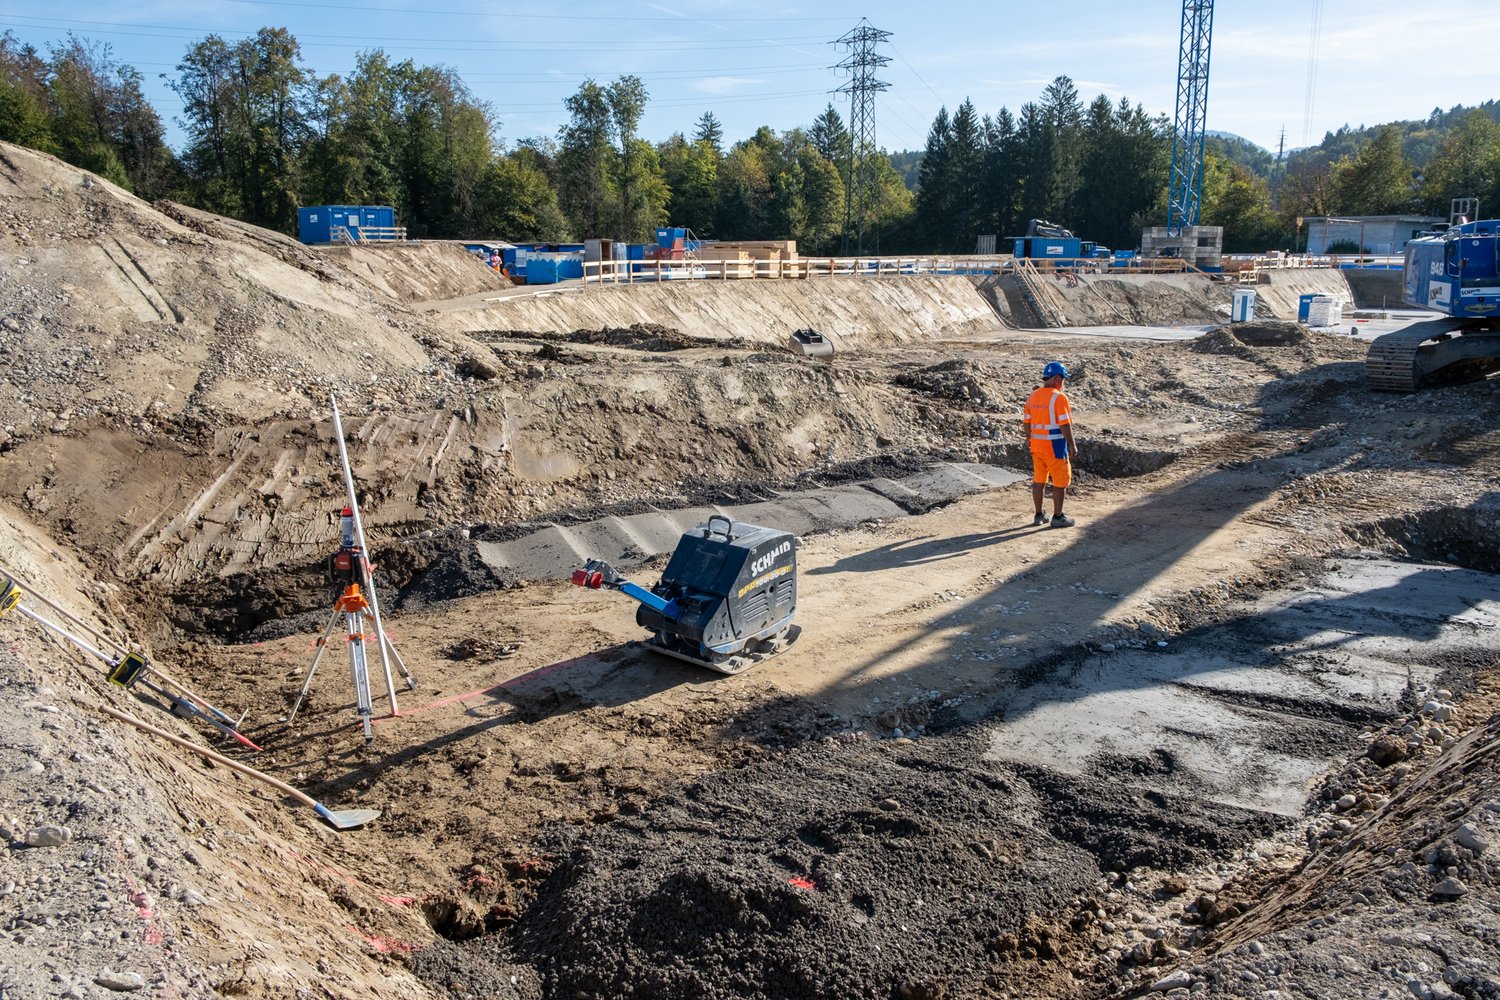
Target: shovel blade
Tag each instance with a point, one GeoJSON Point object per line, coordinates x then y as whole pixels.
{"type": "Point", "coordinates": [347, 819]}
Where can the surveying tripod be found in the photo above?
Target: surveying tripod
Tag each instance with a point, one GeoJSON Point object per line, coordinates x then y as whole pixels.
{"type": "Point", "coordinates": [352, 569]}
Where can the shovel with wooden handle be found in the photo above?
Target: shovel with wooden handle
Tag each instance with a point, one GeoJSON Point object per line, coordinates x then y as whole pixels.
{"type": "Point", "coordinates": [346, 819]}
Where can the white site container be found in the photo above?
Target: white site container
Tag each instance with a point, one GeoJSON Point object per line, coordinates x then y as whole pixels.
{"type": "Point", "coordinates": [1241, 305]}
{"type": "Point", "coordinates": [1325, 310]}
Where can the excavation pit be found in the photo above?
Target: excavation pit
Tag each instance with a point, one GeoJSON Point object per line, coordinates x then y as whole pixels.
{"type": "Point", "coordinates": [1184, 685]}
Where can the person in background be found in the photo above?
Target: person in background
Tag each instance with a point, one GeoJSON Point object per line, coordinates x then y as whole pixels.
{"type": "Point", "coordinates": [1048, 420]}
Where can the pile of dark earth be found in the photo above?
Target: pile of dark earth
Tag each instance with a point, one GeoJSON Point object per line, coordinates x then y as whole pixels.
{"type": "Point", "coordinates": [842, 868]}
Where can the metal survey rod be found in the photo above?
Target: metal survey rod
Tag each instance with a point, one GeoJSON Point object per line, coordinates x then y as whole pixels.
{"type": "Point", "coordinates": [359, 531]}
{"type": "Point", "coordinates": [125, 670]}
{"type": "Point", "coordinates": [119, 648]}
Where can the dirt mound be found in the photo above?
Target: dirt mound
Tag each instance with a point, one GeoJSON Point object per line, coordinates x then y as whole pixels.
{"type": "Point", "coordinates": [959, 380]}
{"type": "Point", "coordinates": [824, 889]}
{"type": "Point", "coordinates": [416, 272]}
{"type": "Point", "coordinates": [649, 337]}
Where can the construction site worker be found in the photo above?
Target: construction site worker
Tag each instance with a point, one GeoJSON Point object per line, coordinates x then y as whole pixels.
{"type": "Point", "coordinates": [1048, 420]}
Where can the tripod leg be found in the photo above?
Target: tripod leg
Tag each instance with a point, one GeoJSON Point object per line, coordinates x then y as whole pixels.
{"type": "Point", "coordinates": [359, 669]}
{"type": "Point", "coordinates": [383, 646]}
{"type": "Point", "coordinates": [307, 682]}
{"type": "Point", "coordinates": [411, 682]}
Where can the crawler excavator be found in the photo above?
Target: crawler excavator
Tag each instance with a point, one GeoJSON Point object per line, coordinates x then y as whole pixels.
{"type": "Point", "coordinates": [1457, 273]}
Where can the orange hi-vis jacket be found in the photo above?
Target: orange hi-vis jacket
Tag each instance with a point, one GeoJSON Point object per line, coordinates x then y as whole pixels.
{"type": "Point", "coordinates": [1046, 411]}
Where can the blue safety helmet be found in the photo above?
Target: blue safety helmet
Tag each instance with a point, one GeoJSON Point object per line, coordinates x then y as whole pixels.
{"type": "Point", "coordinates": [1055, 368]}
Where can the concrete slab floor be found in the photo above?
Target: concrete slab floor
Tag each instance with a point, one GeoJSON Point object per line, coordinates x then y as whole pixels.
{"type": "Point", "coordinates": [1247, 712]}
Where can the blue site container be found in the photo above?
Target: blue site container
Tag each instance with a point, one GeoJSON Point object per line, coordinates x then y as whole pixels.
{"type": "Point", "coordinates": [670, 238]}
{"type": "Point", "coordinates": [569, 266]}
{"type": "Point", "coordinates": [328, 223]}
{"type": "Point", "coordinates": [541, 269]}
{"type": "Point", "coordinates": [1304, 306]}
{"type": "Point", "coordinates": [514, 259]}
{"type": "Point", "coordinates": [1043, 248]}
{"type": "Point", "coordinates": [635, 251]}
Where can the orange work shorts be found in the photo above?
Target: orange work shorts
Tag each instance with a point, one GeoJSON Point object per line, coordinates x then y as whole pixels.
{"type": "Point", "coordinates": [1060, 469]}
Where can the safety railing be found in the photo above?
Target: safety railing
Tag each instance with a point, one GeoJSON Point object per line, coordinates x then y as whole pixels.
{"type": "Point", "coordinates": [800, 268]}
{"type": "Point", "coordinates": [367, 234]}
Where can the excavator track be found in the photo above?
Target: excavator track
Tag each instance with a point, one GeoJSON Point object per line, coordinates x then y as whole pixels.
{"type": "Point", "coordinates": [1400, 361]}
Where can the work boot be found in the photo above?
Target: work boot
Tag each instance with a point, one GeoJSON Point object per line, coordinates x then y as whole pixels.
{"type": "Point", "coordinates": [1040, 519]}
{"type": "Point", "coordinates": [1063, 521]}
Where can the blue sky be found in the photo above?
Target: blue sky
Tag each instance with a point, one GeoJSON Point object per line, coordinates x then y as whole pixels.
{"type": "Point", "coordinates": [769, 62]}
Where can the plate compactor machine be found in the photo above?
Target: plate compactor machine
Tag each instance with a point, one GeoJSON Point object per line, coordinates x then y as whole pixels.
{"type": "Point", "coordinates": [725, 600]}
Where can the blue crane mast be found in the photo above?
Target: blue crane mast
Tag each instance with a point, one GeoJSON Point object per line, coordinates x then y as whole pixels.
{"type": "Point", "coordinates": [1192, 113]}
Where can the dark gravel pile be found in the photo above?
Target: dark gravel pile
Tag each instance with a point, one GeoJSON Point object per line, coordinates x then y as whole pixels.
{"type": "Point", "coordinates": [837, 870]}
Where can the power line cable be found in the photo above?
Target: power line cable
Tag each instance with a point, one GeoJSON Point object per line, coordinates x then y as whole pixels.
{"type": "Point", "coordinates": [513, 45]}
{"type": "Point", "coordinates": [510, 16]}
{"type": "Point", "coordinates": [1312, 70]}
{"type": "Point", "coordinates": [911, 129]}
{"type": "Point", "coordinates": [914, 73]}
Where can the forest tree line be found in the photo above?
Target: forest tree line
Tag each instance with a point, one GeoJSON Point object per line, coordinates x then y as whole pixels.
{"type": "Point", "coordinates": [264, 135]}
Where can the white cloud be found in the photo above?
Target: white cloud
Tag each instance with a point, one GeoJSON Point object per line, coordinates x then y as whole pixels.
{"type": "Point", "coordinates": [725, 84]}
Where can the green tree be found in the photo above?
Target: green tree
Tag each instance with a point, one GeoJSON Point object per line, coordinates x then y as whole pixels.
{"type": "Point", "coordinates": [517, 201]}
{"type": "Point", "coordinates": [1377, 180]}
{"type": "Point", "coordinates": [23, 96]}
{"type": "Point", "coordinates": [710, 131]}
{"type": "Point", "coordinates": [637, 170]}
{"type": "Point", "coordinates": [644, 193]}
{"type": "Point", "coordinates": [934, 199]}
{"type": "Point", "coordinates": [822, 195]}
{"type": "Point", "coordinates": [830, 138]}
{"type": "Point", "coordinates": [96, 115]}
{"type": "Point", "coordinates": [1003, 176]}
{"type": "Point", "coordinates": [965, 176]}
{"type": "Point", "coordinates": [891, 207]}
{"type": "Point", "coordinates": [745, 187]}
{"type": "Point", "coordinates": [691, 173]}
{"type": "Point", "coordinates": [244, 112]}
{"type": "Point", "coordinates": [1123, 173]}
{"type": "Point", "coordinates": [1233, 197]}
{"type": "Point", "coordinates": [1466, 165]}
{"type": "Point", "coordinates": [352, 157]}
{"type": "Point", "coordinates": [1063, 111]}
{"type": "Point", "coordinates": [586, 159]}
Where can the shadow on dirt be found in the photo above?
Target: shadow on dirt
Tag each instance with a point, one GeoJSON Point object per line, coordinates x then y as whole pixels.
{"type": "Point", "coordinates": [917, 551]}
{"type": "Point", "coordinates": [546, 692]}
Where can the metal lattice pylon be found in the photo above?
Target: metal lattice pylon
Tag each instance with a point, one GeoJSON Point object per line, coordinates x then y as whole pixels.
{"type": "Point", "coordinates": [1192, 113]}
{"type": "Point", "coordinates": [861, 63]}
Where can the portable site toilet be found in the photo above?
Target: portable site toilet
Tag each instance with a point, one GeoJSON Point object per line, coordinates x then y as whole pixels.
{"type": "Point", "coordinates": [1304, 305]}
{"type": "Point", "coordinates": [1241, 305]}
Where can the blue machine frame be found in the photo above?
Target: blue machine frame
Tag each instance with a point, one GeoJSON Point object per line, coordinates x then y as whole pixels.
{"type": "Point", "coordinates": [1456, 272]}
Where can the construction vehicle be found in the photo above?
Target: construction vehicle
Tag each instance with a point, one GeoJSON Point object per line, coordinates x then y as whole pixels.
{"type": "Point", "coordinates": [1047, 241]}
{"type": "Point", "coordinates": [725, 601]}
{"type": "Point", "coordinates": [1455, 272]}
{"type": "Point", "coordinates": [810, 343]}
